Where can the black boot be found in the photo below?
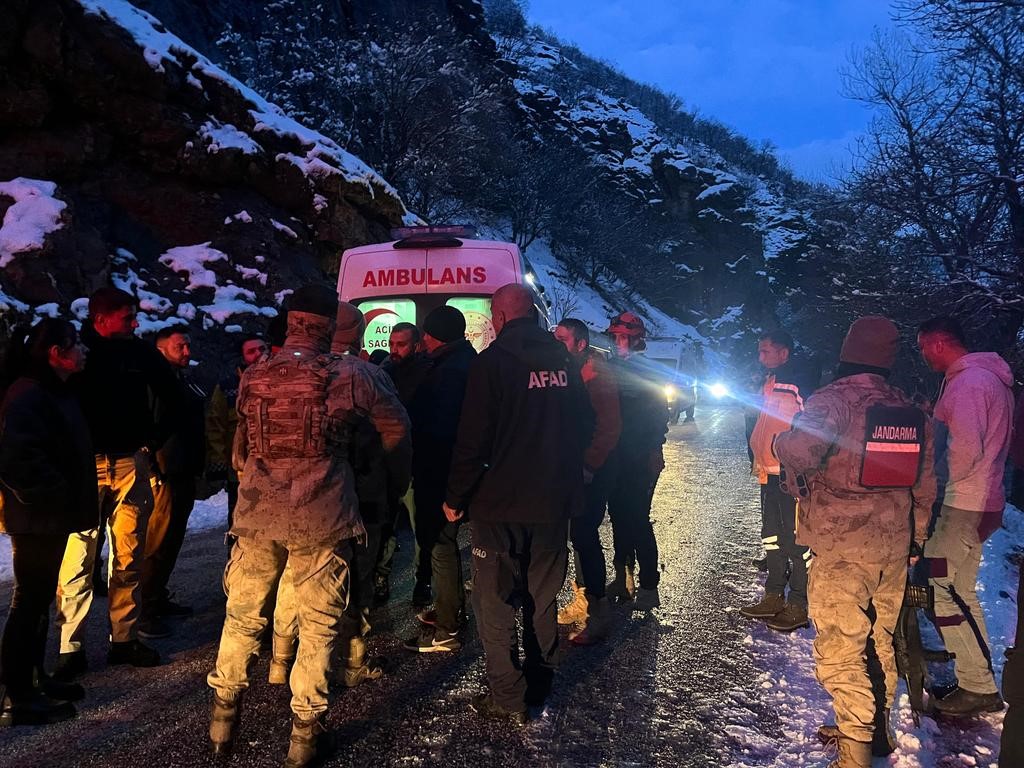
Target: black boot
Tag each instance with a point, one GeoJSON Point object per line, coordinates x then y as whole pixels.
{"type": "Point", "coordinates": [309, 742]}
{"type": "Point", "coordinates": [57, 689]}
{"type": "Point", "coordinates": [35, 708]}
{"type": "Point", "coordinates": [69, 666]}
{"type": "Point", "coordinates": [133, 652]}
{"type": "Point", "coordinates": [225, 717]}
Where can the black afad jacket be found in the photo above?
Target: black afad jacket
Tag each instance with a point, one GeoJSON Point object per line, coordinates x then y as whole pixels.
{"type": "Point", "coordinates": [526, 421]}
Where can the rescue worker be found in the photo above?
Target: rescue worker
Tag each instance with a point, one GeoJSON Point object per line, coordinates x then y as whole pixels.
{"type": "Point", "coordinates": [589, 607]}
{"type": "Point", "coordinates": [121, 376]}
{"type": "Point", "coordinates": [860, 456]}
{"type": "Point", "coordinates": [435, 413]}
{"type": "Point", "coordinates": [973, 425]}
{"type": "Point", "coordinates": [296, 507]}
{"type": "Point", "coordinates": [786, 385]}
{"type": "Point", "coordinates": [49, 490]}
{"type": "Point", "coordinates": [180, 461]}
{"type": "Point", "coordinates": [638, 461]}
{"type": "Point", "coordinates": [406, 364]}
{"type": "Point", "coordinates": [222, 420]}
{"type": "Point", "coordinates": [518, 471]}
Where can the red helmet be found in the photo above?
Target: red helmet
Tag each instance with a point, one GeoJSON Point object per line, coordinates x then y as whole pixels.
{"type": "Point", "coordinates": [629, 324]}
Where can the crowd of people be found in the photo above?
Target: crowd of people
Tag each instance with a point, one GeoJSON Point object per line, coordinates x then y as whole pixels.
{"type": "Point", "coordinates": [325, 452]}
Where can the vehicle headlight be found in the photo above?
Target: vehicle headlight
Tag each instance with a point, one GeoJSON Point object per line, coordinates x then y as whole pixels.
{"type": "Point", "coordinates": [670, 392]}
{"type": "Point", "coordinates": [719, 390]}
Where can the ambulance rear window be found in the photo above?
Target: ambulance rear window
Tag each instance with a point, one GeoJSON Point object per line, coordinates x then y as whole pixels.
{"type": "Point", "coordinates": [477, 311]}
{"type": "Point", "coordinates": [381, 315]}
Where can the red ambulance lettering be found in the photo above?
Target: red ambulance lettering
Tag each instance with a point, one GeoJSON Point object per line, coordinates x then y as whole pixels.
{"type": "Point", "coordinates": [384, 278]}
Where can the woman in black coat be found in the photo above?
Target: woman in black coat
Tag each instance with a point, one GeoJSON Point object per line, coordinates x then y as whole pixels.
{"type": "Point", "coordinates": [48, 490]}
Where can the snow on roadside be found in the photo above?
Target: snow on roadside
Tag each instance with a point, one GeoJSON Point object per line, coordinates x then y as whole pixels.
{"type": "Point", "coordinates": [790, 688]}
{"type": "Point", "coordinates": [34, 214]}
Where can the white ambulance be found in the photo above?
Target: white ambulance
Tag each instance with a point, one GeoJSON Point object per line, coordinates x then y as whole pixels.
{"type": "Point", "coordinates": [425, 267]}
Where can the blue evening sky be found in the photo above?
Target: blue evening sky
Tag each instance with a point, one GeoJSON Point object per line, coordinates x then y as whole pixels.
{"type": "Point", "coordinates": [766, 68]}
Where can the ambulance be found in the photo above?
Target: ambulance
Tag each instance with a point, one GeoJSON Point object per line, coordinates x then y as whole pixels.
{"type": "Point", "coordinates": [425, 267]}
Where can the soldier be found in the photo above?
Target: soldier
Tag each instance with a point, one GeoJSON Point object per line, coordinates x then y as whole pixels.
{"type": "Point", "coordinates": [296, 507]}
{"type": "Point", "coordinates": [861, 455]}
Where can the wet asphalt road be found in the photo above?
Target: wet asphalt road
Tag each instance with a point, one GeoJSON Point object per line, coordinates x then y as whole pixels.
{"type": "Point", "coordinates": [660, 692]}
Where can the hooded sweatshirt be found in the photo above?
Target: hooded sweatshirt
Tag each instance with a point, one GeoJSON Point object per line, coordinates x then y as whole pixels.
{"type": "Point", "coordinates": [973, 423]}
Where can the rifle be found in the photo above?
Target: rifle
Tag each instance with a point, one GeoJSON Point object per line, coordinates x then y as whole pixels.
{"type": "Point", "coordinates": [911, 656]}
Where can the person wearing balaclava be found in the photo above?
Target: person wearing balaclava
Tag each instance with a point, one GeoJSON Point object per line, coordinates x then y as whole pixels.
{"type": "Point", "coordinates": [860, 460]}
{"type": "Point", "coordinates": [435, 411]}
{"type": "Point", "coordinates": [297, 508]}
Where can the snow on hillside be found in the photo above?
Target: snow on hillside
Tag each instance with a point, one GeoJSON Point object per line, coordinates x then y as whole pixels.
{"type": "Point", "coordinates": [34, 214]}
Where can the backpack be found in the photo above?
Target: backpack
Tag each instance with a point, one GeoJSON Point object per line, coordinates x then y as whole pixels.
{"type": "Point", "coordinates": [286, 413]}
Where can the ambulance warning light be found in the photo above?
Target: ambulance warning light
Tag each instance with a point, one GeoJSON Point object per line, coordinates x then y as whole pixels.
{"type": "Point", "coordinates": [446, 236]}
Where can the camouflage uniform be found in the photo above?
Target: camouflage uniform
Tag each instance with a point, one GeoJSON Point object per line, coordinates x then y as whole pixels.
{"type": "Point", "coordinates": [860, 538]}
{"type": "Point", "coordinates": [297, 504]}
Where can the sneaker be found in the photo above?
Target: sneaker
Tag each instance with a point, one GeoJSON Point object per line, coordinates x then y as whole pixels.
{"type": "Point", "coordinates": [153, 628]}
{"type": "Point", "coordinates": [485, 706]}
{"type": "Point", "coordinates": [381, 589]}
{"type": "Point", "coordinates": [427, 617]}
{"type": "Point", "coordinates": [36, 709]}
{"type": "Point", "coordinates": [646, 599]}
{"type": "Point", "coordinates": [69, 666]}
{"type": "Point", "coordinates": [133, 652]}
{"type": "Point", "coordinates": [964, 703]}
{"type": "Point", "coordinates": [169, 608]}
{"type": "Point", "coordinates": [433, 641]}
{"type": "Point", "coordinates": [771, 604]}
{"type": "Point", "coordinates": [421, 595]}
{"type": "Point", "coordinates": [790, 618]}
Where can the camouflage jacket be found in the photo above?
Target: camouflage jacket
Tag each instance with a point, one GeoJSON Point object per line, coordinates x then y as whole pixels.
{"type": "Point", "coordinates": [296, 413]}
{"type": "Point", "coordinates": [826, 445]}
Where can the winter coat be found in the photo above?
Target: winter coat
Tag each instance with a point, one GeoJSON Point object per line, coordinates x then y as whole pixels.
{"type": "Point", "coordinates": [296, 415]}
{"type": "Point", "coordinates": [221, 423]}
{"type": "Point", "coordinates": [642, 405]}
{"type": "Point", "coordinates": [525, 424]}
{"type": "Point", "coordinates": [47, 465]}
{"type": "Point", "coordinates": [435, 410]}
{"type": "Point", "coordinates": [184, 453]}
{"type": "Point", "coordinates": [783, 394]}
{"type": "Point", "coordinates": [826, 445]}
{"type": "Point", "coordinates": [603, 392]}
{"type": "Point", "coordinates": [973, 422]}
{"type": "Point", "coordinates": [121, 381]}
{"type": "Point", "coordinates": [407, 374]}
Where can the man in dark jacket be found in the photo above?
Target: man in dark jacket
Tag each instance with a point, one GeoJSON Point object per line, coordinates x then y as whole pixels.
{"type": "Point", "coordinates": [181, 460]}
{"type": "Point", "coordinates": [434, 414]}
{"type": "Point", "coordinates": [121, 376]}
{"type": "Point", "coordinates": [638, 462]}
{"type": "Point", "coordinates": [518, 469]}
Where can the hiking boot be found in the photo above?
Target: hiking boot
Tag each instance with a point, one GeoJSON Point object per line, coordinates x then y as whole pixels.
{"type": "Point", "coordinates": [964, 703]}
{"type": "Point", "coordinates": [432, 640]}
{"type": "Point", "coordinates": [153, 628]}
{"type": "Point", "coordinates": [421, 595]}
{"type": "Point", "coordinates": [225, 718]}
{"type": "Point", "coordinates": [34, 709]}
{"type": "Point", "coordinates": [169, 608]}
{"type": "Point", "coordinates": [771, 604]}
{"type": "Point", "coordinates": [309, 742]}
{"type": "Point", "coordinates": [69, 666]}
{"type": "Point", "coordinates": [646, 599]}
{"type": "Point", "coordinates": [358, 668]}
{"type": "Point", "coordinates": [381, 589]}
{"type": "Point", "coordinates": [623, 586]}
{"type": "Point", "coordinates": [58, 690]}
{"type": "Point", "coordinates": [595, 624]}
{"type": "Point", "coordinates": [133, 652]}
{"type": "Point", "coordinates": [282, 656]}
{"type": "Point", "coordinates": [790, 618]}
{"type": "Point", "coordinates": [576, 610]}
{"type": "Point", "coordinates": [852, 754]}
{"type": "Point", "coordinates": [883, 742]}
{"type": "Point", "coordinates": [485, 706]}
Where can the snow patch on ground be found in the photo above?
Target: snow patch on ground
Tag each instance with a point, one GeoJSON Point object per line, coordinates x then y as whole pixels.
{"type": "Point", "coordinates": [34, 214]}
{"type": "Point", "coordinates": [220, 137]}
{"type": "Point", "coordinates": [193, 259]}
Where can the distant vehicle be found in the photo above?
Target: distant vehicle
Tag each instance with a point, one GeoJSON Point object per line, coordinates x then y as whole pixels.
{"type": "Point", "coordinates": [675, 359]}
{"type": "Point", "coordinates": [425, 267]}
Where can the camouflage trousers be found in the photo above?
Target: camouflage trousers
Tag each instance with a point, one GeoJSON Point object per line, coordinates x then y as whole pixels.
{"type": "Point", "coordinates": [320, 580]}
{"type": "Point", "coordinates": [855, 607]}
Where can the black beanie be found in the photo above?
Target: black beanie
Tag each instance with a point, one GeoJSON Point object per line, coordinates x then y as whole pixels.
{"type": "Point", "coordinates": [872, 341]}
{"type": "Point", "coordinates": [315, 300]}
{"type": "Point", "coordinates": [445, 324]}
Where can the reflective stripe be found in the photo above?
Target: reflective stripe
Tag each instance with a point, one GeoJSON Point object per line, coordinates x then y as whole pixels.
{"type": "Point", "coordinates": [771, 546]}
{"type": "Point", "coordinates": [770, 539]}
{"type": "Point", "coordinates": [894, 447]}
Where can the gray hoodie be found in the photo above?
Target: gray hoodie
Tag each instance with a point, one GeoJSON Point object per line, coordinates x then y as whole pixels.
{"type": "Point", "coordinates": [973, 423]}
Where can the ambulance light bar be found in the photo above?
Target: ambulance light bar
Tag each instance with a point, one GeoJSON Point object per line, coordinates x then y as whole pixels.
{"type": "Point", "coordinates": [446, 236]}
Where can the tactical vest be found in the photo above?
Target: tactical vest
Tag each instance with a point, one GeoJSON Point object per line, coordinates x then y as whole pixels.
{"type": "Point", "coordinates": [893, 447]}
{"type": "Point", "coordinates": [287, 415]}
